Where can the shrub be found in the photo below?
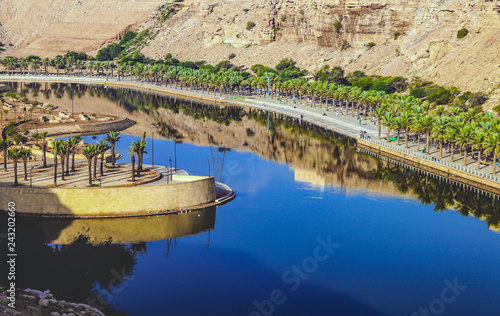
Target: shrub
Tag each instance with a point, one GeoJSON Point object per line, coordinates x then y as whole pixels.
{"type": "Point", "coordinates": [418, 93]}
{"type": "Point", "coordinates": [396, 35]}
{"type": "Point", "coordinates": [246, 10]}
{"type": "Point", "coordinates": [370, 45]}
{"type": "Point", "coordinates": [284, 64]}
{"type": "Point", "coordinates": [364, 83]}
{"type": "Point", "coordinates": [497, 108]}
{"type": "Point", "coordinates": [127, 37]}
{"type": "Point", "coordinates": [442, 96]}
{"type": "Point", "coordinates": [337, 25]}
{"type": "Point", "coordinates": [462, 33]}
{"type": "Point", "coordinates": [231, 56]}
{"type": "Point", "coordinates": [345, 45]}
{"type": "Point", "coordinates": [283, 18]}
{"type": "Point", "coordinates": [250, 25]}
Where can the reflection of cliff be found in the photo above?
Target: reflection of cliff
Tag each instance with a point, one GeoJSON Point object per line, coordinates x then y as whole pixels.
{"type": "Point", "coordinates": [131, 229]}
{"type": "Point", "coordinates": [310, 151]}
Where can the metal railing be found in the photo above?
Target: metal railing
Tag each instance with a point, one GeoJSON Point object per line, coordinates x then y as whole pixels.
{"type": "Point", "coordinates": [432, 159]}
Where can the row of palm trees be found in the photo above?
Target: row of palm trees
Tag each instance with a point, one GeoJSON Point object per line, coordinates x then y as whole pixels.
{"type": "Point", "coordinates": [450, 129]}
{"type": "Point", "coordinates": [69, 65]}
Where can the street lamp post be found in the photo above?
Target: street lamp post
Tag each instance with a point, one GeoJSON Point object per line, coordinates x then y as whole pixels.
{"type": "Point", "coordinates": [31, 176]}
{"type": "Point", "coordinates": [267, 86]}
{"type": "Point", "coordinates": [175, 152]}
{"type": "Point", "coordinates": [72, 112]}
{"type": "Point", "coordinates": [153, 147]}
{"type": "Point", "coordinates": [171, 173]}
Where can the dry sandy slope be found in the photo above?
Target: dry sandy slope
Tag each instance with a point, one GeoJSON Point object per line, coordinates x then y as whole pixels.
{"type": "Point", "coordinates": [51, 27]}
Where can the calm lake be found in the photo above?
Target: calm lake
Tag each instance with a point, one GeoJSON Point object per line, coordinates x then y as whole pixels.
{"type": "Point", "coordinates": [316, 228]}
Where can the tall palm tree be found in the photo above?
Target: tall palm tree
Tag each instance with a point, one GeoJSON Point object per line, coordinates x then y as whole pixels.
{"type": "Point", "coordinates": [425, 124]}
{"type": "Point", "coordinates": [14, 154]}
{"type": "Point", "coordinates": [62, 151]}
{"type": "Point", "coordinates": [439, 132]}
{"type": "Point", "coordinates": [43, 136]}
{"type": "Point", "coordinates": [491, 144]}
{"type": "Point", "coordinates": [464, 137]}
{"type": "Point", "coordinates": [102, 147]}
{"type": "Point", "coordinates": [5, 144]}
{"type": "Point", "coordinates": [451, 134]}
{"type": "Point", "coordinates": [132, 152]}
{"type": "Point", "coordinates": [46, 64]}
{"type": "Point", "coordinates": [73, 145]}
{"type": "Point", "coordinates": [112, 138]}
{"type": "Point", "coordinates": [477, 144]}
{"type": "Point", "coordinates": [89, 153]}
{"type": "Point", "coordinates": [25, 154]}
{"type": "Point", "coordinates": [379, 114]}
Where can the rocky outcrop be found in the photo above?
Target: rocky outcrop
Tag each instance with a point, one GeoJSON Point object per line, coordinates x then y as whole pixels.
{"type": "Point", "coordinates": [33, 303]}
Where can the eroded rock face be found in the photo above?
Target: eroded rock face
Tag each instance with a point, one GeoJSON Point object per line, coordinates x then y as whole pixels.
{"type": "Point", "coordinates": [34, 303]}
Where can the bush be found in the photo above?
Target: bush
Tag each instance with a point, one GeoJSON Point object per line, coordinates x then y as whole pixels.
{"type": "Point", "coordinates": [337, 25]}
{"type": "Point", "coordinates": [127, 38]}
{"type": "Point", "coordinates": [231, 56]}
{"type": "Point", "coordinates": [250, 25]}
{"type": "Point", "coordinates": [396, 35]}
{"type": "Point", "coordinates": [284, 64]}
{"type": "Point", "coordinates": [246, 10]}
{"type": "Point", "coordinates": [497, 108]}
{"type": "Point", "coordinates": [462, 33]}
{"type": "Point", "coordinates": [345, 45]}
{"type": "Point", "coordinates": [370, 45]}
{"type": "Point", "coordinates": [442, 96]}
{"type": "Point", "coordinates": [364, 83]}
{"type": "Point", "coordinates": [109, 52]}
{"type": "Point", "coordinates": [417, 93]}
{"type": "Point", "coordinates": [283, 18]}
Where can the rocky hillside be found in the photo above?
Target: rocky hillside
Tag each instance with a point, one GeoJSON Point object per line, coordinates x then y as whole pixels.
{"type": "Point", "coordinates": [412, 38]}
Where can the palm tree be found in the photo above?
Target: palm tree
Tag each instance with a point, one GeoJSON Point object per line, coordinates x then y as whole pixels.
{"type": "Point", "coordinates": [46, 64]}
{"type": "Point", "coordinates": [439, 132]}
{"type": "Point", "coordinates": [14, 154]}
{"type": "Point", "coordinates": [387, 120]}
{"type": "Point", "coordinates": [133, 151]}
{"type": "Point", "coordinates": [112, 138]}
{"type": "Point", "coordinates": [451, 133]}
{"type": "Point", "coordinates": [141, 152]}
{"type": "Point", "coordinates": [62, 150]}
{"type": "Point", "coordinates": [491, 144]}
{"type": "Point", "coordinates": [425, 124]}
{"type": "Point", "coordinates": [43, 136]}
{"type": "Point", "coordinates": [25, 154]}
{"type": "Point", "coordinates": [379, 114]}
{"type": "Point", "coordinates": [89, 153]}
{"type": "Point", "coordinates": [464, 137]}
{"type": "Point", "coordinates": [5, 144]}
{"type": "Point", "coordinates": [102, 147]}
{"type": "Point", "coordinates": [73, 145]}
{"type": "Point", "coordinates": [477, 144]}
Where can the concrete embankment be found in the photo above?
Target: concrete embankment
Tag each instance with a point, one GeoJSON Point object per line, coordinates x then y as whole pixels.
{"type": "Point", "coordinates": [442, 170]}
{"type": "Point", "coordinates": [185, 193]}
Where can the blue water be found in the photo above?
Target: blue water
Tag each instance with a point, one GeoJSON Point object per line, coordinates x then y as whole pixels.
{"type": "Point", "coordinates": [392, 255]}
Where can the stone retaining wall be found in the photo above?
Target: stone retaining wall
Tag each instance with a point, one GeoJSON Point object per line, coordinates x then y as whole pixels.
{"type": "Point", "coordinates": [436, 168]}
{"type": "Point", "coordinates": [109, 202]}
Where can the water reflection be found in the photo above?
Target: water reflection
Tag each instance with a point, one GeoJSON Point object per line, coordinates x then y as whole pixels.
{"type": "Point", "coordinates": [319, 157]}
{"type": "Point", "coordinates": [125, 230]}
